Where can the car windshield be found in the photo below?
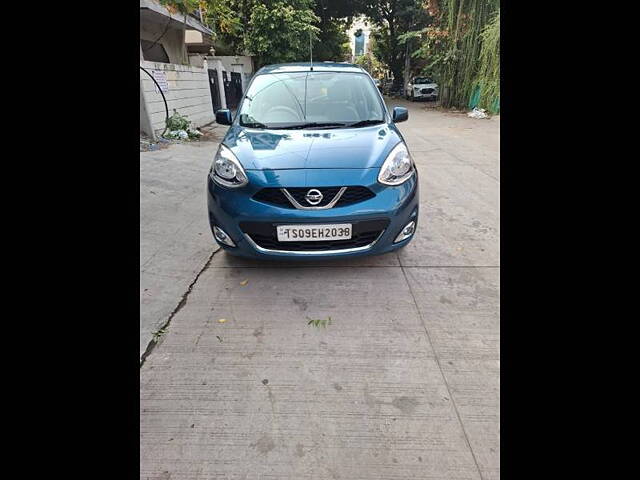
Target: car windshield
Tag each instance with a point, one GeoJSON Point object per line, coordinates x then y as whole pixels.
{"type": "Point", "coordinates": [311, 100]}
{"type": "Point", "coordinates": [421, 80]}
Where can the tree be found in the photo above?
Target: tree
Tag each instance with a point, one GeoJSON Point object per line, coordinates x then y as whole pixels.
{"type": "Point", "coordinates": [462, 50]}
{"type": "Point", "coordinates": [273, 31]}
{"type": "Point", "coordinates": [336, 17]}
{"type": "Point", "coordinates": [488, 79]}
{"type": "Point", "coordinates": [243, 25]}
{"type": "Point", "coordinates": [185, 7]}
{"type": "Point", "coordinates": [371, 64]}
{"type": "Point", "coordinates": [280, 31]}
{"type": "Point", "coordinates": [393, 18]}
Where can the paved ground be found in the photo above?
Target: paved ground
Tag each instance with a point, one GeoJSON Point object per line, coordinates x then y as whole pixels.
{"type": "Point", "coordinates": [175, 239]}
{"type": "Point", "coordinates": [404, 384]}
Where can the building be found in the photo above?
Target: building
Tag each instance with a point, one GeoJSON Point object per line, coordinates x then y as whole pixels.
{"type": "Point", "coordinates": [359, 37]}
{"type": "Point", "coordinates": [164, 56]}
{"type": "Point", "coordinates": [229, 76]}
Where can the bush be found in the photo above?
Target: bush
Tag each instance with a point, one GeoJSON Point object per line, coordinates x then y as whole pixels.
{"type": "Point", "coordinates": [179, 127]}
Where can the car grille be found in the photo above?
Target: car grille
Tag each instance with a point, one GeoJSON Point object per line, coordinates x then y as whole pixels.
{"type": "Point", "coordinates": [327, 195]}
{"type": "Point", "coordinates": [353, 194]}
{"type": "Point", "coordinates": [427, 90]}
{"type": "Point", "coordinates": [274, 196]}
{"type": "Point", "coordinates": [265, 236]}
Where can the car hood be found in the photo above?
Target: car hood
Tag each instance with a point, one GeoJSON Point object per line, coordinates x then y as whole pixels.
{"type": "Point", "coordinates": [426, 85]}
{"type": "Point", "coordinates": [365, 147]}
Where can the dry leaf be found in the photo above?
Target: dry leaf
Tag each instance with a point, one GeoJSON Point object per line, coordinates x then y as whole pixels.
{"type": "Point", "coordinates": [244, 282]}
{"type": "Point", "coordinates": [222, 320]}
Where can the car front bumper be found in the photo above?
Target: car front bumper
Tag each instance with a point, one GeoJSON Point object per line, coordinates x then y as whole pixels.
{"type": "Point", "coordinates": [430, 96]}
{"type": "Point", "coordinates": [240, 216]}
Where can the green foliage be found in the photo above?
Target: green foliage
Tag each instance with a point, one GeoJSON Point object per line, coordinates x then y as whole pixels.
{"type": "Point", "coordinates": [279, 31]}
{"type": "Point", "coordinates": [489, 70]}
{"type": "Point", "coordinates": [185, 7]}
{"type": "Point", "coordinates": [320, 322]}
{"type": "Point", "coordinates": [394, 18]}
{"type": "Point", "coordinates": [460, 52]}
{"type": "Point", "coordinates": [221, 17]}
{"type": "Point", "coordinates": [335, 20]}
{"type": "Point", "coordinates": [371, 64]}
{"type": "Point", "coordinates": [228, 19]}
{"type": "Point", "coordinates": [176, 123]}
{"type": "Point", "coordinates": [333, 42]}
{"type": "Point", "coordinates": [381, 49]}
{"type": "Point", "coordinates": [159, 334]}
{"type": "Point", "coordinates": [406, 37]}
{"type": "Point", "coordinates": [273, 31]}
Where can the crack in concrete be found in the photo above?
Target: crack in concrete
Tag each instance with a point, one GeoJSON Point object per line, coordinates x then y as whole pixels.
{"type": "Point", "coordinates": [437, 359]}
{"type": "Point", "coordinates": [465, 163]}
{"type": "Point", "coordinates": [352, 266]}
{"type": "Point", "coordinates": [183, 301]}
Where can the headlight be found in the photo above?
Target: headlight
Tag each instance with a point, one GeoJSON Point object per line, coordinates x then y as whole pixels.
{"type": "Point", "coordinates": [398, 167]}
{"type": "Point", "coordinates": [226, 169]}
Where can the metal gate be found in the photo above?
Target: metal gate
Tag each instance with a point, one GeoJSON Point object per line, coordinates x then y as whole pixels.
{"type": "Point", "coordinates": [232, 88]}
{"type": "Point", "coordinates": [215, 92]}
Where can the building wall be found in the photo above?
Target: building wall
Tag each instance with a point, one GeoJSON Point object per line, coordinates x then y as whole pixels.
{"type": "Point", "coordinates": [172, 40]}
{"type": "Point", "coordinates": [240, 64]}
{"type": "Point", "coordinates": [145, 126]}
{"type": "Point", "coordinates": [188, 93]}
{"type": "Point", "coordinates": [230, 63]}
{"type": "Point", "coordinates": [359, 23]}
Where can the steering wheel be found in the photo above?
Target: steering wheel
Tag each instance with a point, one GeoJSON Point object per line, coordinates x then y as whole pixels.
{"type": "Point", "coordinates": [281, 113]}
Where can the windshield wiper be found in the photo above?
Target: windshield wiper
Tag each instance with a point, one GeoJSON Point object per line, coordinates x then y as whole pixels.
{"type": "Point", "coordinates": [253, 124]}
{"type": "Point", "coordinates": [299, 126]}
{"type": "Point", "coordinates": [364, 123]}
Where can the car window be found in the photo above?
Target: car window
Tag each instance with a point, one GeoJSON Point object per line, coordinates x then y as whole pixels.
{"type": "Point", "coordinates": [295, 99]}
{"type": "Point", "coordinates": [422, 80]}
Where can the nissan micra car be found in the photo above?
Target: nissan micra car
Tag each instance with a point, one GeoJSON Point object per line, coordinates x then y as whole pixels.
{"type": "Point", "coordinates": [312, 166]}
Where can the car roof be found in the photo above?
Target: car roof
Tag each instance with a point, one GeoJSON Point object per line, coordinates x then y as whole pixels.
{"type": "Point", "coordinates": [306, 67]}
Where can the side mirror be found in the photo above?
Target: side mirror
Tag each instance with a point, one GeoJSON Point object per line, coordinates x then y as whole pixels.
{"type": "Point", "coordinates": [400, 114]}
{"type": "Point", "coordinates": [223, 117]}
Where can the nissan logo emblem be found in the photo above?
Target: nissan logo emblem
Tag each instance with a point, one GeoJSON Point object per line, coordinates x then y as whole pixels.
{"type": "Point", "coordinates": [313, 197]}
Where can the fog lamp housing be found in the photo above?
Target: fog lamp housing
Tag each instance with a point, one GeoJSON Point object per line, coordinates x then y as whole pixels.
{"type": "Point", "coordinates": [408, 230]}
{"type": "Point", "coordinates": [222, 236]}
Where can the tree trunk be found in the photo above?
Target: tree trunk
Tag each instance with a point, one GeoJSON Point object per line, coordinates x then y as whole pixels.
{"type": "Point", "coordinates": [407, 65]}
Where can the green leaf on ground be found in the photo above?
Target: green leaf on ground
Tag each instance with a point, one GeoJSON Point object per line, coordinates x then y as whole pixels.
{"type": "Point", "coordinates": [319, 322]}
{"type": "Point", "coordinates": [158, 334]}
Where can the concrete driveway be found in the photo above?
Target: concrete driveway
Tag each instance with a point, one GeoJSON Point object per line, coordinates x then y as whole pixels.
{"type": "Point", "coordinates": [404, 382]}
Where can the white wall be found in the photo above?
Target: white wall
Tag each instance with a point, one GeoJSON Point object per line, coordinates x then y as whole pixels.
{"type": "Point", "coordinates": [241, 64]}
{"type": "Point", "coordinates": [188, 93]}
{"type": "Point", "coordinates": [359, 23]}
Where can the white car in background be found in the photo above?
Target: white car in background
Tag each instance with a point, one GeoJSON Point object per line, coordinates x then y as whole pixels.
{"type": "Point", "coordinates": [421, 88]}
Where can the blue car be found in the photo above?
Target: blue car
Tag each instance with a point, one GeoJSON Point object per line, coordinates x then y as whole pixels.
{"type": "Point", "coordinates": [312, 166]}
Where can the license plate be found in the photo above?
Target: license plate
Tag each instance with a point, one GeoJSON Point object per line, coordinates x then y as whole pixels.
{"type": "Point", "coordinates": [313, 233]}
